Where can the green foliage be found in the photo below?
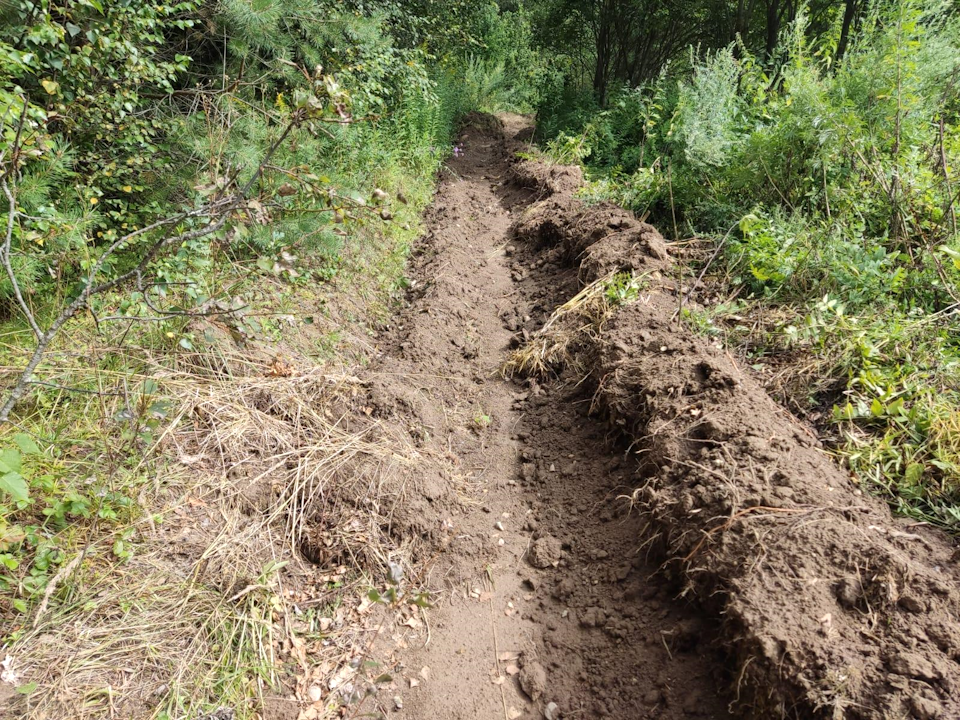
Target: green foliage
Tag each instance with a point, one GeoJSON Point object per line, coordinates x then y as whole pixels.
{"type": "Point", "coordinates": [623, 288]}
{"type": "Point", "coordinates": [93, 130]}
{"type": "Point", "coordinates": [708, 112]}
{"type": "Point", "coordinates": [506, 73]}
{"type": "Point", "coordinates": [137, 111]}
{"type": "Point", "coordinates": [831, 176]}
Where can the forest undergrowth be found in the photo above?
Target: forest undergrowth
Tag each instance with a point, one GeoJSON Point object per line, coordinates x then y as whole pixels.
{"type": "Point", "coordinates": [810, 197]}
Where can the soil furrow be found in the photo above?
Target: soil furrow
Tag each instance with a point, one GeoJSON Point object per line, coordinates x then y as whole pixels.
{"type": "Point", "coordinates": [545, 602]}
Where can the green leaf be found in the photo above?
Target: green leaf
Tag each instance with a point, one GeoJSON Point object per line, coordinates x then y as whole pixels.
{"type": "Point", "coordinates": [10, 461]}
{"type": "Point", "coordinates": [374, 595]}
{"type": "Point", "coordinates": [896, 407]}
{"type": "Point", "coordinates": [913, 473]}
{"type": "Point", "coordinates": [422, 600]}
{"type": "Point", "coordinates": [26, 443]}
{"type": "Point", "coordinates": [14, 484]}
{"type": "Point", "coordinates": [27, 689]}
{"type": "Point", "coordinates": [876, 408]}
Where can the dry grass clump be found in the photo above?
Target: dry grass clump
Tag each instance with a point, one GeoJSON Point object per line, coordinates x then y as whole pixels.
{"type": "Point", "coordinates": [262, 532]}
{"type": "Point", "coordinates": [563, 339]}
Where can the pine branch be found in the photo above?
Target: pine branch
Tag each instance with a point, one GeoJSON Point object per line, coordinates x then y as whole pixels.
{"type": "Point", "coordinates": [216, 213]}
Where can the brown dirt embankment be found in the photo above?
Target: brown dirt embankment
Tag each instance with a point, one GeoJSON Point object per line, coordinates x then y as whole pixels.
{"type": "Point", "coordinates": [830, 606]}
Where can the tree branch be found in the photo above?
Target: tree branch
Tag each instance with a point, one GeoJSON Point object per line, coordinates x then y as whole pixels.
{"type": "Point", "coordinates": [217, 214]}
{"type": "Point", "coordinates": [11, 222]}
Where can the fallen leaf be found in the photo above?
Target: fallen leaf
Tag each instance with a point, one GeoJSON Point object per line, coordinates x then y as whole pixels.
{"type": "Point", "coordinates": [512, 670]}
{"type": "Point", "coordinates": [513, 713]}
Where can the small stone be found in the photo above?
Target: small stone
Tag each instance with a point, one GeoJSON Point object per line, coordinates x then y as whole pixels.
{"type": "Point", "coordinates": [498, 525]}
{"type": "Point", "coordinates": [315, 693]}
{"type": "Point", "coordinates": [551, 711]}
{"type": "Point", "coordinates": [398, 702]}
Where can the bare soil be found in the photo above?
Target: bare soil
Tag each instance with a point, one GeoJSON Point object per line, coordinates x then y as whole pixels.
{"type": "Point", "coordinates": [543, 592]}
{"type": "Point", "coordinates": [650, 537]}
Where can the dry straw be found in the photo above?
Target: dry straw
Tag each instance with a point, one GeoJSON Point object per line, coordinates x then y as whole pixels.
{"type": "Point", "coordinates": [564, 338]}
{"type": "Point", "coordinates": [259, 472]}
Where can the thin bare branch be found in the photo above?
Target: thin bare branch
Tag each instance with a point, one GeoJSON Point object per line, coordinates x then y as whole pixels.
{"type": "Point", "coordinates": [11, 172]}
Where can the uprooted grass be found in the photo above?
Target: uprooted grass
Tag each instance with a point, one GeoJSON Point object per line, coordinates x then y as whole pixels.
{"type": "Point", "coordinates": [565, 338]}
{"type": "Point", "coordinates": [216, 604]}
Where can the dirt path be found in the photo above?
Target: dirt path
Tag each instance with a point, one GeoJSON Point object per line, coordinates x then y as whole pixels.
{"type": "Point", "coordinates": [543, 594]}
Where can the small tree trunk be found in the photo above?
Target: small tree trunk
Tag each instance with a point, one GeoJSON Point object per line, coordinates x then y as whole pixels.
{"type": "Point", "coordinates": [773, 28]}
{"type": "Point", "coordinates": [603, 56]}
{"type": "Point", "coordinates": [849, 13]}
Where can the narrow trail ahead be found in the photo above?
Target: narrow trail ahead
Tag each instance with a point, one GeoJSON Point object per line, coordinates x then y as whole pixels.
{"type": "Point", "coordinates": [543, 593]}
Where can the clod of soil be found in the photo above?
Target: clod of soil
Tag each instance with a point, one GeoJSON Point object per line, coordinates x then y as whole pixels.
{"type": "Point", "coordinates": [545, 552]}
{"type": "Point", "coordinates": [533, 680]}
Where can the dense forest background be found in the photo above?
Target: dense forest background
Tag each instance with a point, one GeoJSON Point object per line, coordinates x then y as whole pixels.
{"type": "Point", "coordinates": [165, 163]}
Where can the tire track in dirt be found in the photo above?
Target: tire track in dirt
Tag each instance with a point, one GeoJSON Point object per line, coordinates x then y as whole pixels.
{"type": "Point", "coordinates": [546, 605]}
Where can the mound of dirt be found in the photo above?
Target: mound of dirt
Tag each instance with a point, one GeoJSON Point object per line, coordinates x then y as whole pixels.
{"type": "Point", "coordinates": [830, 606]}
{"type": "Point", "coordinates": [547, 179]}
